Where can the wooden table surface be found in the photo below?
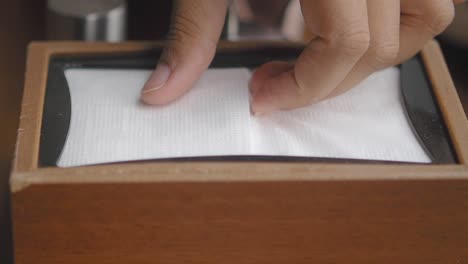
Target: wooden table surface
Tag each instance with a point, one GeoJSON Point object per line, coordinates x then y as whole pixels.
{"type": "Point", "coordinates": [28, 24]}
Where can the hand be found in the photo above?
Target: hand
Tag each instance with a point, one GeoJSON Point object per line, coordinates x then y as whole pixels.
{"type": "Point", "coordinates": [352, 39]}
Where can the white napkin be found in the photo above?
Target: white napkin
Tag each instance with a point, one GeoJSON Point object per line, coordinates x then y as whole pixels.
{"type": "Point", "coordinates": [109, 124]}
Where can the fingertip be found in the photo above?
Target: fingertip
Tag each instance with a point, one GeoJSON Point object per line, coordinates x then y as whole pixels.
{"type": "Point", "coordinates": [267, 98]}
{"type": "Point", "coordinates": [156, 82]}
{"type": "Point", "coordinates": [281, 92]}
{"type": "Point", "coordinates": [261, 106]}
{"type": "Point", "coordinates": [157, 78]}
{"type": "Point", "coordinates": [266, 72]}
{"type": "Point", "coordinates": [159, 97]}
{"type": "Point", "coordinates": [255, 82]}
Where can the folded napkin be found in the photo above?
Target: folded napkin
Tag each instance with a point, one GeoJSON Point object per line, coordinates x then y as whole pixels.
{"type": "Point", "coordinates": [109, 124]}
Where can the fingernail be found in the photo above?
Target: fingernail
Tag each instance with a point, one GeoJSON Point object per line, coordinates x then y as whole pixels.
{"type": "Point", "coordinates": [261, 108]}
{"type": "Point", "coordinates": [257, 114]}
{"type": "Point", "coordinates": [252, 112]}
{"type": "Point", "coordinates": [253, 89]}
{"type": "Point", "coordinates": [158, 78]}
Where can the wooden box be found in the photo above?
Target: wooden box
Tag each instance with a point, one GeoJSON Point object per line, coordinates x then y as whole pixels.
{"type": "Point", "coordinates": [236, 212]}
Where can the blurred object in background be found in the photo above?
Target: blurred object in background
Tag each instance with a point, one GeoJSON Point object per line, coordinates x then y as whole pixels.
{"type": "Point", "coordinates": [251, 20]}
{"type": "Point", "coordinates": [89, 20]}
{"type": "Point", "coordinates": [148, 19]}
{"type": "Point", "coordinates": [457, 33]}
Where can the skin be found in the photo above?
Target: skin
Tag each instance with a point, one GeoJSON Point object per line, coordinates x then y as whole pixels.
{"type": "Point", "coordinates": [351, 40]}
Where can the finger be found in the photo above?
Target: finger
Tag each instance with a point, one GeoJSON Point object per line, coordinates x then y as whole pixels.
{"type": "Point", "coordinates": [384, 25]}
{"type": "Point", "coordinates": [267, 71]}
{"type": "Point", "coordinates": [342, 31]}
{"type": "Point", "coordinates": [195, 29]}
{"type": "Point", "coordinates": [421, 20]}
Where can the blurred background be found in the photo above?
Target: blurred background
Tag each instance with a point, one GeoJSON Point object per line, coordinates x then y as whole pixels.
{"type": "Point", "coordinates": [23, 21]}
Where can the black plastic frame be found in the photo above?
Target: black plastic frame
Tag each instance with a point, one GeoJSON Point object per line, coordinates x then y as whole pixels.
{"type": "Point", "coordinates": [422, 109]}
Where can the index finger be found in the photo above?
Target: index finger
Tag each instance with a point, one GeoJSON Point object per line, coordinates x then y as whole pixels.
{"type": "Point", "coordinates": [193, 36]}
{"type": "Point", "coordinates": [342, 37]}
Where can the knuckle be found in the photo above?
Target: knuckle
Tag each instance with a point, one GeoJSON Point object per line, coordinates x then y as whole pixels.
{"type": "Point", "coordinates": [183, 28]}
{"type": "Point", "coordinates": [441, 20]}
{"type": "Point", "coordinates": [435, 18]}
{"type": "Point", "coordinates": [186, 32]}
{"type": "Point", "coordinates": [382, 54]}
{"type": "Point", "coordinates": [354, 43]}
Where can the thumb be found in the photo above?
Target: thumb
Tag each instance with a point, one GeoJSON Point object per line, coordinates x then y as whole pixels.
{"type": "Point", "coordinates": [193, 36]}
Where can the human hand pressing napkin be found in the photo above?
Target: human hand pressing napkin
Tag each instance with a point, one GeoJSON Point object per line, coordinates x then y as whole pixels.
{"type": "Point", "coordinates": [351, 40]}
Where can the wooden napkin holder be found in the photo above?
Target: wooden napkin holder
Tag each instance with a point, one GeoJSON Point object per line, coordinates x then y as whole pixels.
{"type": "Point", "coordinates": [236, 212]}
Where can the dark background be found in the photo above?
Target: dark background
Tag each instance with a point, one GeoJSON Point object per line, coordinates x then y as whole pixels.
{"type": "Point", "coordinates": [22, 21]}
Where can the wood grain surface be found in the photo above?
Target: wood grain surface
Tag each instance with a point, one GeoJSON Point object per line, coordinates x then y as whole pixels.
{"type": "Point", "coordinates": [205, 212]}
{"type": "Point", "coordinates": [447, 98]}
{"type": "Point", "coordinates": [270, 222]}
